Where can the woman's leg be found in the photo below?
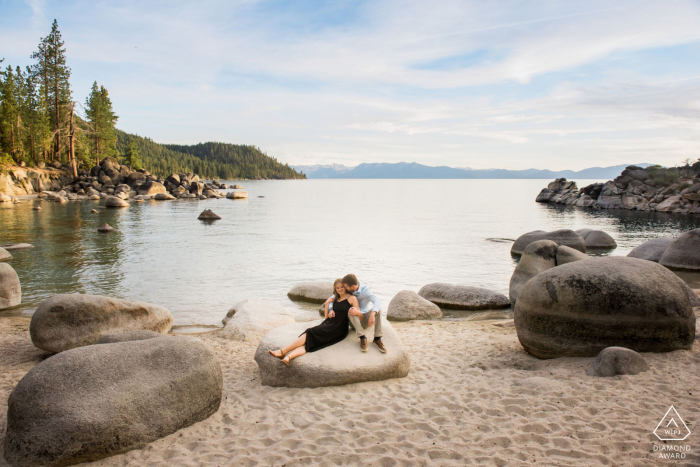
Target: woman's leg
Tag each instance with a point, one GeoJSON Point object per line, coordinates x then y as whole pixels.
{"type": "Point", "coordinates": [298, 352]}
{"type": "Point", "coordinates": [294, 345]}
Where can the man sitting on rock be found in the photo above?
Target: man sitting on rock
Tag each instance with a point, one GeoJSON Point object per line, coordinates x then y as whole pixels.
{"type": "Point", "coordinates": [370, 316]}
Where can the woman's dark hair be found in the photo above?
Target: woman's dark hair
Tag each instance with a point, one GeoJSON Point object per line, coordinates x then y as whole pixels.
{"type": "Point", "coordinates": [335, 284]}
{"type": "Point", "coordinates": [350, 280]}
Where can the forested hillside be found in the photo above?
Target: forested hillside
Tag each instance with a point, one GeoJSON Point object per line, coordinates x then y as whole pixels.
{"type": "Point", "coordinates": [208, 160]}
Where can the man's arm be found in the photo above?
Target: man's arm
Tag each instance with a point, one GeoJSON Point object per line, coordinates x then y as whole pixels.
{"type": "Point", "coordinates": [376, 306]}
{"type": "Point", "coordinates": [329, 307]}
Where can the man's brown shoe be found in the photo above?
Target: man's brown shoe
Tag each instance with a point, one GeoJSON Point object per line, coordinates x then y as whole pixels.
{"type": "Point", "coordinates": [363, 344]}
{"type": "Point", "coordinates": [380, 345]}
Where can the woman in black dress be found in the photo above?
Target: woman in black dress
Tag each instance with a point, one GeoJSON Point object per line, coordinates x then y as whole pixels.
{"type": "Point", "coordinates": [331, 331]}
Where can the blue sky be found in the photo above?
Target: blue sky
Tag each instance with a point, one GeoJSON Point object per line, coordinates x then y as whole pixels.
{"type": "Point", "coordinates": [507, 84]}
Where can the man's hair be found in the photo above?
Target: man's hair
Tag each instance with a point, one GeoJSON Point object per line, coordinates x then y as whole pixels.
{"type": "Point", "coordinates": [350, 280]}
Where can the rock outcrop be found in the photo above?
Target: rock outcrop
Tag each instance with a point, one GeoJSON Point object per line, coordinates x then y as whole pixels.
{"type": "Point", "coordinates": [313, 292]}
{"type": "Point", "coordinates": [342, 363]}
{"type": "Point", "coordinates": [614, 361]}
{"type": "Point", "coordinates": [580, 308]}
{"type": "Point", "coordinates": [10, 289]}
{"type": "Point", "coordinates": [675, 189]}
{"type": "Point", "coordinates": [560, 237]}
{"type": "Point", "coordinates": [683, 252]}
{"type": "Point", "coordinates": [463, 297]}
{"type": "Point", "coordinates": [94, 402]}
{"type": "Point", "coordinates": [651, 250]}
{"type": "Point", "coordinates": [408, 305]}
{"type": "Point", "coordinates": [597, 239]}
{"type": "Point", "coordinates": [251, 319]}
{"type": "Point", "coordinates": [64, 322]}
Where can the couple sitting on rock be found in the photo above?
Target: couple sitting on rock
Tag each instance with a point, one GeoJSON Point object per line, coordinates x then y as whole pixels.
{"type": "Point", "coordinates": [348, 305]}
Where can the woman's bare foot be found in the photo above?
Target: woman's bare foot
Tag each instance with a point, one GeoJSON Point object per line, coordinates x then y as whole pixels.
{"type": "Point", "coordinates": [276, 353]}
{"type": "Point", "coordinates": [286, 360]}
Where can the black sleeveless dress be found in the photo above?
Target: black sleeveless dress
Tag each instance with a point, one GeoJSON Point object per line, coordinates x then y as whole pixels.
{"type": "Point", "coordinates": [331, 330]}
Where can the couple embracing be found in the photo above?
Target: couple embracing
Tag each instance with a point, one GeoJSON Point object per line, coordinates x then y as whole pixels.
{"type": "Point", "coordinates": [349, 305]}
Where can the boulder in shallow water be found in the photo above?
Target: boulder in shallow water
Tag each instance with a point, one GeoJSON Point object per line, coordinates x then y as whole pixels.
{"type": "Point", "coordinates": [560, 237]}
{"type": "Point", "coordinates": [17, 246]}
{"type": "Point", "coordinates": [5, 255]}
{"type": "Point", "coordinates": [342, 363]}
{"type": "Point", "coordinates": [580, 308]}
{"type": "Point", "coordinates": [408, 305]}
{"type": "Point", "coordinates": [10, 289]}
{"type": "Point", "coordinates": [313, 292]}
{"type": "Point", "coordinates": [251, 319]}
{"type": "Point", "coordinates": [463, 297]}
{"type": "Point", "coordinates": [683, 252]}
{"type": "Point", "coordinates": [114, 202]}
{"type": "Point", "coordinates": [597, 239]}
{"type": "Point", "coordinates": [651, 250]}
{"type": "Point", "coordinates": [163, 197]}
{"type": "Point", "coordinates": [94, 402]}
{"type": "Point", "coordinates": [151, 188]}
{"type": "Point", "coordinates": [237, 195]}
{"type": "Point", "coordinates": [537, 257]}
{"type": "Point", "coordinates": [128, 336]}
{"type": "Point", "coordinates": [208, 215]}
{"type": "Point", "coordinates": [67, 321]}
{"type": "Point", "coordinates": [105, 228]}
{"type": "Point", "coordinates": [614, 361]}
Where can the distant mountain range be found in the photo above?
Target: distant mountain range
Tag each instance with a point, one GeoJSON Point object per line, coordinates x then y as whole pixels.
{"type": "Point", "coordinates": [414, 170]}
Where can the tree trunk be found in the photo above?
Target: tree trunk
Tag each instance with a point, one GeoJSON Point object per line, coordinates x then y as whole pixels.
{"type": "Point", "coordinates": [72, 146]}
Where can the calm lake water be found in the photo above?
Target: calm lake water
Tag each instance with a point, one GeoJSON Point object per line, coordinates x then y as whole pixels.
{"type": "Point", "coordinates": [393, 234]}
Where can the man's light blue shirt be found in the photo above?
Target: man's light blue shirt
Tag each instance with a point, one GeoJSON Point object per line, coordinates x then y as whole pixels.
{"type": "Point", "coordinates": [364, 297]}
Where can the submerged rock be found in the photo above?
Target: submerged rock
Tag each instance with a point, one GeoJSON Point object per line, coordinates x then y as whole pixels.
{"type": "Point", "coordinates": [614, 361]}
{"type": "Point", "coordinates": [651, 250]}
{"type": "Point", "coordinates": [580, 308]}
{"type": "Point", "coordinates": [208, 214]}
{"type": "Point", "coordinates": [463, 297]}
{"type": "Point", "coordinates": [408, 305]}
{"type": "Point", "coordinates": [250, 320]}
{"type": "Point", "coordinates": [560, 237]}
{"type": "Point", "coordinates": [93, 402]}
{"type": "Point", "coordinates": [64, 322]}
{"type": "Point", "coordinates": [10, 289]}
{"type": "Point", "coordinates": [683, 252]}
{"type": "Point", "coordinates": [105, 228]}
{"type": "Point", "coordinates": [342, 363]}
{"type": "Point", "coordinates": [313, 292]}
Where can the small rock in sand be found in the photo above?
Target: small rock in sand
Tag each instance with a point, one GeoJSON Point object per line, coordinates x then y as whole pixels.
{"type": "Point", "coordinates": [408, 305]}
{"type": "Point", "coordinates": [613, 361]}
{"type": "Point", "coordinates": [463, 297]}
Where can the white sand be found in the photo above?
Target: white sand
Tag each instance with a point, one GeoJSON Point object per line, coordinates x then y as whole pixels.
{"type": "Point", "coordinates": [473, 397]}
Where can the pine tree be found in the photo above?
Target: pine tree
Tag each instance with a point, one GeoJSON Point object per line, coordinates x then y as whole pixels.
{"type": "Point", "coordinates": [9, 114]}
{"type": "Point", "coordinates": [101, 119]}
{"type": "Point", "coordinates": [132, 156]}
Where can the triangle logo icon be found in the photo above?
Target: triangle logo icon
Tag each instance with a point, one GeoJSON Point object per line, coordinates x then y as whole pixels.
{"type": "Point", "coordinates": [672, 427]}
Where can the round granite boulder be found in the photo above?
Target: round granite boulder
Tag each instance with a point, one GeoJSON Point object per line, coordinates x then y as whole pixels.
{"type": "Point", "coordinates": [651, 250]}
{"type": "Point", "coordinates": [683, 252]}
{"type": "Point", "coordinates": [614, 361]}
{"type": "Point", "coordinates": [597, 239]}
{"type": "Point", "coordinates": [463, 297]}
{"type": "Point", "coordinates": [560, 237]}
{"type": "Point", "coordinates": [5, 255]}
{"type": "Point", "coordinates": [67, 321]}
{"type": "Point", "coordinates": [342, 363]}
{"type": "Point", "coordinates": [251, 319]}
{"type": "Point", "coordinates": [10, 289]}
{"type": "Point", "coordinates": [566, 254]}
{"type": "Point", "coordinates": [537, 257]}
{"type": "Point", "coordinates": [313, 292]}
{"type": "Point", "coordinates": [580, 308]}
{"type": "Point", "coordinates": [408, 305]}
{"type": "Point", "coordinates": [94, 402]}
{"type": "Point", "coordinates": [114, 202]}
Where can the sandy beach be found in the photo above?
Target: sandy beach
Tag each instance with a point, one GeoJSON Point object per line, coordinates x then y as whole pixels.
{"type": "Point", "coordinates": [473, 397]}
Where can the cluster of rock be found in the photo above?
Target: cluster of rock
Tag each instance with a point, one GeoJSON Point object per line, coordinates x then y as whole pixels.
{"type": "Point", "coordinates": [117, 384]}
{"type": "Point", "coordinates": [25, 181]}
{"type": "Point", "coordinates": [635, 189]}
{"type": "Point", "coordinates": [680, 253]}
{"type": "Point", "coordinates": [581, 240]}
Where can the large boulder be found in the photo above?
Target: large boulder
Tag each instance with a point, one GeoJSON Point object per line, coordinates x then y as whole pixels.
{"type": "Point", "coordinates": [10, 289]}
{"type": "Point", "coordinates": [614, 361]}
{"type": "Point", "coordinates": [151, 188]}
{"type": "Point", "coordinates": [651, 250]}
{"type": "Point", "coordinates": [114, 202]}
{"type": "Point", "coordinates": [64, 322]}
{"type": "Point", "coordinates": [342, 363]}
{"type": "Point", "coordinates": [93, 402]}
{"type": "Point", "coordinates": [408, 305]}
{"type": "Point", "coordinates": [463, 297]}
{"type": "Point", "coordinates": [5, 255]}
{"type": "Point", "coordinates": [683, 252]}
{"type": "Point", "coordinates": [560, 237]}
{"type": "Point", "coordinates": [251, 319]}
{"type": "Point", "coordinates": [597, 239]}
{"type": "Point", "coordinates": [580, 308]}
{"type": "Point", "coordinates": [314, 292]}
{"type": "Point", "coordinates": [537, 257]}
{"type": "Point", "coordinates": [135, 177]}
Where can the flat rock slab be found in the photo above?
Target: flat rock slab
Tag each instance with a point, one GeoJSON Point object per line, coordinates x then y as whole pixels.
{"type": "Point", "coordinates": [463, 297]}
{"type": "Point", "coordinates": [342, 363]}
{"type": "Point", "coordinates": [67, 321]}
{"type": "Point", "coordinates": [614, 361]}
{"type": "Point", "coordinates": [313, 292]}
{"type": "Point", "coordinates": [17, 246]}
{"type": "Point", "coordinates": [94, 402]}
{"type": "Point", "coordinates": [651, 250]}
{"type": "Point", "coordinates": [560, 237]}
